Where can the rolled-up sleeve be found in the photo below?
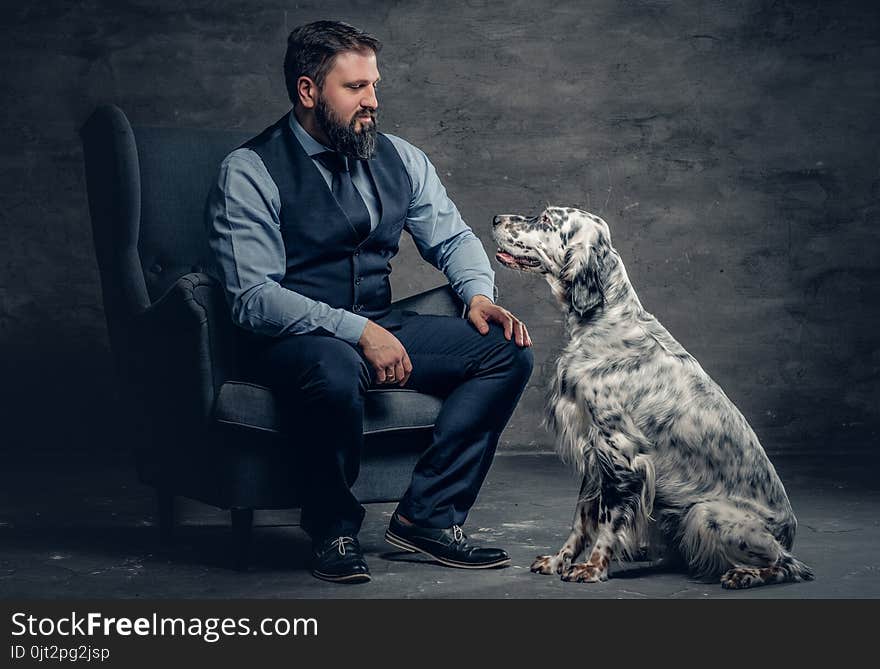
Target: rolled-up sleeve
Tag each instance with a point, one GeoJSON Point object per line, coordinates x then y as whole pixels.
{"type": "Point", "coordinates": [244, 231]}
{"type": "Point", "coordinates": [438, 230]}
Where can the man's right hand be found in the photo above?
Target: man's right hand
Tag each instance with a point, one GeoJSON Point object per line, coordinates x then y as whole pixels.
{"type": "Point", "coordinates": [386, 354]}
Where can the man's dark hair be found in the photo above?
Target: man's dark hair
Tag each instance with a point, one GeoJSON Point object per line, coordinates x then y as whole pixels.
{"type": "Point", "coordinates": [311, 49]}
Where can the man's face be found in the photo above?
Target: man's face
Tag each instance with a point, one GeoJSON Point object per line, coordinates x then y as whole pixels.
{"type": "Point", "coordinates": [346, 107]}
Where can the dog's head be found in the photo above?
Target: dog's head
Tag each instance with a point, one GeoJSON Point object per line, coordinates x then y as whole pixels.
{"type": "Point", "coordinates": [567, 245]}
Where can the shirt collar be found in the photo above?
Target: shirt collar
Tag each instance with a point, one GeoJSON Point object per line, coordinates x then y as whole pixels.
{"type": "Point", "coordinates": [311, 145]}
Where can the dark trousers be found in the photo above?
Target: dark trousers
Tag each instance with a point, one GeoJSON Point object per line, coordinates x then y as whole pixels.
{"type": "Point", "coordinates": [322, 381]}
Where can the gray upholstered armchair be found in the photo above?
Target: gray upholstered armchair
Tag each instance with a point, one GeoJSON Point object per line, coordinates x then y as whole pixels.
{"type": "Point", "coordinates": [202, 431]}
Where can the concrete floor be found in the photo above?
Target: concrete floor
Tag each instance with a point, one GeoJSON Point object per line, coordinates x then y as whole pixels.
{"type": "Point", "coordinates": [87, 530]}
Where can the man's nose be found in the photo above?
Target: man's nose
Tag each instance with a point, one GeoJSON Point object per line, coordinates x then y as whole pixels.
{"type": "Point", "coordinates": [370, 101]}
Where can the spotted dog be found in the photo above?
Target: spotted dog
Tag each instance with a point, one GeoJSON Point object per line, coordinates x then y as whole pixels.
{"type": "Point", "coordinates": [662, 450]}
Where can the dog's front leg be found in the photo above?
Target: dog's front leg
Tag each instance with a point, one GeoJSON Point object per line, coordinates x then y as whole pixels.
{"type": "Point", "coordinates": [599, 557]}
{"type": "Point", "coordinates": [583, 528]}
{"type": "Point", "coordinates": [624, 505]}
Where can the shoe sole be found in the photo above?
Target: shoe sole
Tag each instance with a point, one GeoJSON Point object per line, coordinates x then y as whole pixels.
{"type": "Point", "coordinates": [349, 578]}
{"type": "Point", "coordinates": [403, 544]}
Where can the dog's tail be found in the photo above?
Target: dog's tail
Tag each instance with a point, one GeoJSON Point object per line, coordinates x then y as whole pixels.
{"type": "Point", "coordinates": [793, 569]}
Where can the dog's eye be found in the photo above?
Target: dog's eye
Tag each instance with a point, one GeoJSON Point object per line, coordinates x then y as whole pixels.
{"type": "Point", "coordinates": [545, 218]}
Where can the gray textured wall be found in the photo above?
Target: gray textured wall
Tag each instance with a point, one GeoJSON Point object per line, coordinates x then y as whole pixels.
{"type": "Point", "coordinates": [732, 146]}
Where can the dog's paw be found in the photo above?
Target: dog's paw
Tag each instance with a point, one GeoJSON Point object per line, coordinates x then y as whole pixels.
{"type": "Point", "coordinates": [584, 573]}
{"type": "Point", "coordinates": [740, 578]}
{"type": "Point", "coordinates": [546, 564]}
{"type": "Point", "coordinates": [552, 564]}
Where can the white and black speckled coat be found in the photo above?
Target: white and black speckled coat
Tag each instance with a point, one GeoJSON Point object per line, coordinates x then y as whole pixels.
{"type": "Point", "coordinates": [638, 416]}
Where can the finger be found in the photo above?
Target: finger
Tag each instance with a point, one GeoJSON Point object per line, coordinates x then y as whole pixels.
{"type": "Point", "coordinates": [479, 322]}
{"type": "Point", "coordinates": [520, 336]}
{"type": "Point", "coordinates": [407, 368]}
{"type": "Point", "coordinates": [508, 327]}
{"type": "Point", "coordinates": [528, 336]}
{"type": "Point", "coordinates": [380, 374]}
{"type": "Point", "coordinates": [399, 372]}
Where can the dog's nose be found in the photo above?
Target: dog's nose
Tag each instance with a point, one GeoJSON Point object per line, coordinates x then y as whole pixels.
{"type": "Point", "coordinates": [496, 220]}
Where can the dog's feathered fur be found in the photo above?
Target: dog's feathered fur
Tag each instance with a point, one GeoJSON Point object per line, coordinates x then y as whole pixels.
{"type": "Point", "coordinates": [659, 444]}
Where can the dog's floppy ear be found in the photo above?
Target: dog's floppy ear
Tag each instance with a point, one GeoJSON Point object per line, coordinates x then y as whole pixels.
{"type": "Point", "coordinates": [584, 275]}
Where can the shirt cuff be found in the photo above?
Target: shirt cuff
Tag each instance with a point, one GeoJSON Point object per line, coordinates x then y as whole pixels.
{"type": "Point", "coordinates": [475, 288]}
{"type": "Point", "coordinates": [351, 327]}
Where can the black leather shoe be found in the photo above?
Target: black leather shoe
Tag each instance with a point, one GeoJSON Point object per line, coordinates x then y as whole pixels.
{"type": "Point", "coordinates": [448, 546]}
{"type": "Point", "coordinates": [339, 559]}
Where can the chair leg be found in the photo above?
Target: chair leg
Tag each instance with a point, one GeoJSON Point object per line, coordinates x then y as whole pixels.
{"type": "Point", "coordinates": [165, 503]}
{"type": "Point", "coordinates": [242, 529]}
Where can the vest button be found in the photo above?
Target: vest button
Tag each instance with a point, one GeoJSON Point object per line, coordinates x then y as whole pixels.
{"type": "Point", "coordinates": [357, 282]}
{"type": "Point", "coordinates": [356, 308]}
{"type": "Point", "coordinates": [357, 253]}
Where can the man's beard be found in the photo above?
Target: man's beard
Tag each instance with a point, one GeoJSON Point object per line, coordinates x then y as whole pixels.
{"type": "Point", "coordinates": [345, 138]}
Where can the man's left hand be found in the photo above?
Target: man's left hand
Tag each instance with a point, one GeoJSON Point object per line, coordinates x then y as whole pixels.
{"type": "Point", "coordinates": [483, 311]}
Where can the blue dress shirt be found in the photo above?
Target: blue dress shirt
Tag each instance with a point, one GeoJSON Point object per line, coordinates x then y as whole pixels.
{"type": "Point", "coordinates": [244, 227]}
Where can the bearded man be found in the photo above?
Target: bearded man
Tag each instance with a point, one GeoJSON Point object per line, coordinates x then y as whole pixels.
{"type": "Point", "coordinates": [303, 222]}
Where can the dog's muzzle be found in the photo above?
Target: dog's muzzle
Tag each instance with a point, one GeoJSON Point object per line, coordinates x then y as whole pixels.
{"type": "Point", "coordinates": [515, 262]}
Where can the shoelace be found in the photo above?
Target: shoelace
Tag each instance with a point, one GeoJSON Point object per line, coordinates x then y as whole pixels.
{"type": "Point", "coordinates": [457, 534]}
{"type": "Point", "coordinates": [339, 544]}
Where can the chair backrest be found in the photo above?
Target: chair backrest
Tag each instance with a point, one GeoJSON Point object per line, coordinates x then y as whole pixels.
{"type": "Point", "coordinates": [147, 188]}
{"type": "Point", "coordinates": [177, 168]}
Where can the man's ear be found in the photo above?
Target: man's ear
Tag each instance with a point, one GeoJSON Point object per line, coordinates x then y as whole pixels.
{"type": "Point", "coordinates": [583, 274]}
{"type": "Point", "coordinates": [307, 91]}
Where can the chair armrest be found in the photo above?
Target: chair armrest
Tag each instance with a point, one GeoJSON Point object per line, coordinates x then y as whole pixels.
{"type": "Point", "coordinates": [441, 301]}
{"type": "Point", "coordinates": [187, 336]}
{"type": "Point", "coordinates": [187, 340]}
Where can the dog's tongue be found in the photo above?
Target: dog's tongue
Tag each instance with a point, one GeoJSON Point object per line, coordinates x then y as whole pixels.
{"type": "Point", "coordinates": [501, 255]}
